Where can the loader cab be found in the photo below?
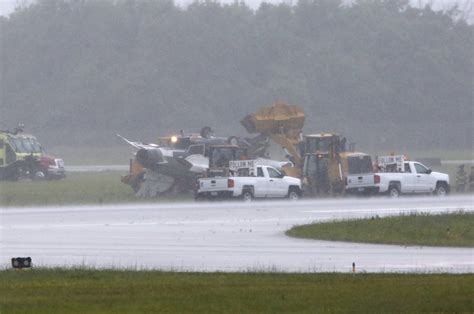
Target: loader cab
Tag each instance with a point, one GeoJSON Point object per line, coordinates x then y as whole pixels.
{"type": "Point", "coordinates": [325, 164]}
{"type": "Point", "coordinates": [316, 173]}
{"type": "Point", "coordinates": [219, 157]}
{"type": "Point", "coordinates": [324, 143]}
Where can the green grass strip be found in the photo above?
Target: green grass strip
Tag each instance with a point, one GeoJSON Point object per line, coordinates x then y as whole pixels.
{"type": "Point", "coordinates": [91, 291]}
{"type": "Point", "coordinates": [76, 189]}
{"type": "Point", "coordinates": [455, 229]}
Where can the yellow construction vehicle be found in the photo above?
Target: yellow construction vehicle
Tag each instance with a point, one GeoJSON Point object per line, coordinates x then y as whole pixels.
{"type": "Point", "coordinates": [320, 160]}
{"type": "Point", "coordinates": [283, 124]}
{"type": "Point", "coordinates": [324, 164]}
{"type": "Point", "coordinates": [22, 156]}
{"type": "Point", "coordinates": [331, 169]}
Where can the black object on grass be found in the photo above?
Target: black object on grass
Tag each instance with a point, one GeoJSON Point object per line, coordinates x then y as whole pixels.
{"type": "Point", "coordinates": [21, 262]}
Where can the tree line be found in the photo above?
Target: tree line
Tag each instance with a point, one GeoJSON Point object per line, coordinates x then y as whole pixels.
{"type": "Point", "coordinates": [381, 72]}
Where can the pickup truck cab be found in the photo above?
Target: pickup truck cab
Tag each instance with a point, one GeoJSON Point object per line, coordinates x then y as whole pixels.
{"type": "Point", "coordinates": [249, 181]}
{"type": "Point", "coordinates": [412, 177]}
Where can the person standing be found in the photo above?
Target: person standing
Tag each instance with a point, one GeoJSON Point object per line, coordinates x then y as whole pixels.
{"type": "Point", "coordinates": [471, 180]}
{"type": "Point", "coordinates": [461, 179]}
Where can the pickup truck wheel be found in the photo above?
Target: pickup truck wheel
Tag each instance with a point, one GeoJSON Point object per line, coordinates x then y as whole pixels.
{"type": "Point", "coordinates": [393, 191]}
{"type": "Point", "coordinates": [247, 196]}
{"type": "Point", "coordinates": [441, 190]}
{"type": "Point", "coordinates": [293, 195]}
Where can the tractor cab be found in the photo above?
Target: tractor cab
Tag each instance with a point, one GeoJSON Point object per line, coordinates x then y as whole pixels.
{"type": "Point", "coordinates": [220, 156]}
{"type": "Point", "coordinates": [323, 172]}
{"type": "Point", "coordinates": [328, 143]}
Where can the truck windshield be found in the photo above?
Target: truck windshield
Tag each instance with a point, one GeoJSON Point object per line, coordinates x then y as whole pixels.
{"type": "Point", "coordinates": [25, 145]}
{"type": "Point", "coordinates": [318, 144]}
{"type": "Point", "coordinates": [360, 164]}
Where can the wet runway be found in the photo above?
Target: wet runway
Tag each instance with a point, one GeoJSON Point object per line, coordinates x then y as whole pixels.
{"type": "Point", "coordinates": [220, 237]}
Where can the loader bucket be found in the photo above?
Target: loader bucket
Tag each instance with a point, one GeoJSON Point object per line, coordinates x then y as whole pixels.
{"type": "Point", "coordinates": [278, 118]}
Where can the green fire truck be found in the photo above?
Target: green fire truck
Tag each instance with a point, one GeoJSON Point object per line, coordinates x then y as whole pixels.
{"type": "Point", "coordinates": [22, 156]}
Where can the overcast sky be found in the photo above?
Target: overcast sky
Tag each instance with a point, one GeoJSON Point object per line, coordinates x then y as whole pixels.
{"type": "Point", "coordinates": [7, 6]}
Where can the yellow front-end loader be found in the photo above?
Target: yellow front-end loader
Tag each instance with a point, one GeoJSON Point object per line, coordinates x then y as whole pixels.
{"type": "Point", "coordinates": [283, 124]}
{"type": "Point", "coordinates": [320, 160]}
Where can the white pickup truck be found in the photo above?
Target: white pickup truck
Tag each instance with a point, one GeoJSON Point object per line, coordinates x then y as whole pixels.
{"type": "Point", "coordinates": [411, 177]}
{"type": "Point", "coordinates": [248, 181]}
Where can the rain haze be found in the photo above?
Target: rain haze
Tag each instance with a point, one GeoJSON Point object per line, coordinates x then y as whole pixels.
{"type": "Point", "coordinates": [385, 79]}
{"type": "Point", "coordinates": [293, 138]}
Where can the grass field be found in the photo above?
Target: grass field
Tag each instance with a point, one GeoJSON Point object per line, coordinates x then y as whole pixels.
{"type": "Point", "coordinates": [112, 155]}
{"type": "Point", "coordinates": [90, 291]}
{"type": "Point", "coordinates": [75, 189]}
{"type": "Point", "coordinates": [454, 229]}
